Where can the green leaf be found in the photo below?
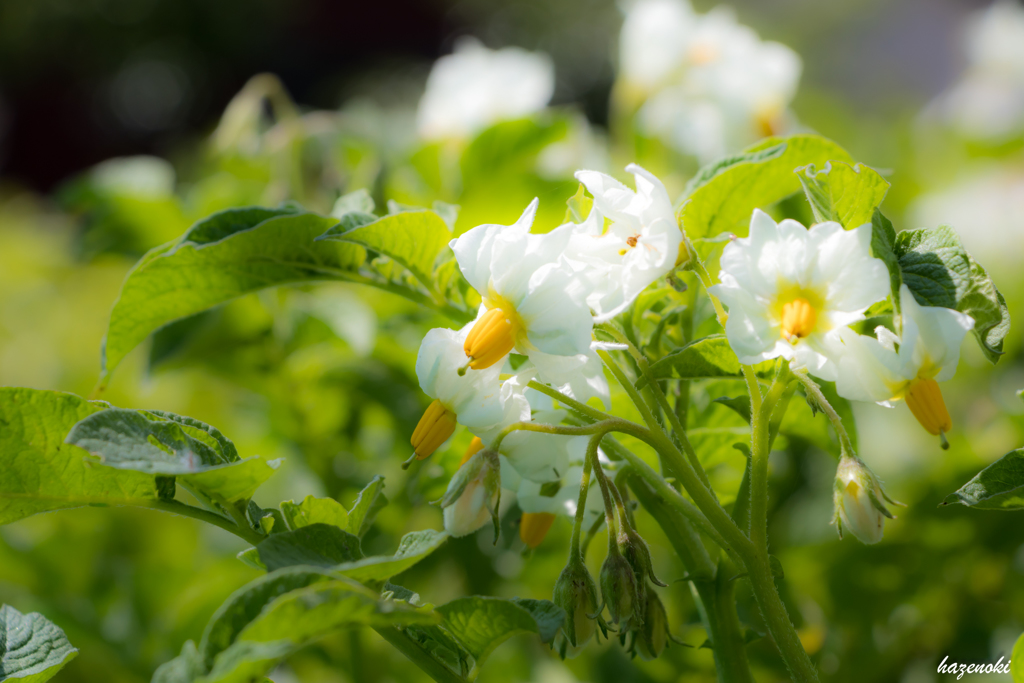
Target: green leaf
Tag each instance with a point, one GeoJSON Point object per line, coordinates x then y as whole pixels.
{"type": "Point", "coordinates": [483, 623]}
{"type": "Point", "coordinates": [413, 239]}
{"type": "Point", "coordinates": [245, 662]}
{"type": "Point", "coordinates": [39, 472]}
{"type": "Point", "coordinates": [578, 206]}
{"type": "Point", "coordinates": [185, 668]}
{"type": "Point", "coordinates": [222, 257]}
{"type": "Point", "coordinates": [32, 648]}
{"type": "Point", "coordinates": [722, 196]}
{"type": "Point", "coordinates": [413, 547]}
{"type": "Point", "coordinates": [317, 545]}
{"type": "Point", "coordinates": [883, 243]}
{"type": "Point", "coordinates": [313, 510]}
{"type": "Point", "coordinates": [245, 604]}
{"type": "Point", "coordinates": [1000, 486]}
{"type": "Point", "coordinates": [708, 357]}
{"type": "Point", "coordinates": [848, 195]}
{"type": "Point", "coordinates": [370, 501]}
{"type": "Point", "coordinates": [153, 442]}
{"type": "Point", "coordinates": [359, 201]}
{"type": "Point", "coordinates": [940, 272]}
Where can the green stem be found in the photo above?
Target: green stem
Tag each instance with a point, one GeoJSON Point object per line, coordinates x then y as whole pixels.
{"type": "Point", "coordinates": [244, 531]}
{"type": "Point", "coordinates": [581, 503]}
{"type": "Point", "coordinates": [814, 393]}
{"type": "Point", "coordinates": [572, 403]}
{"type": "Point", "coordinates": [762, 581]}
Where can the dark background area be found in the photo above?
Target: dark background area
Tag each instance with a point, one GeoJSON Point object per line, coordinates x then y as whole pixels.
{"type": "Point", "coordinates": [86, 80]}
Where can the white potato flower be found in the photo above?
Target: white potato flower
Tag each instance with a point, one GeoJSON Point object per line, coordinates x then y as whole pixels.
{"type": "Point", "coordinates": [473, 494]}
{"type": "Point", "coordinates": [478, 400]}
{"type": "Point", "coordinates": [890, 368]}
{"type": "Point", "coordinates": [475, 87]}
{"type": "Point", "coordinates": [705, 84]}
{"type": "Point", "coordinates": [532, 299]}
{"type": "Point", "coordinates": [791, 290]}
{"type": "Point", "coordinates": [642, 243]}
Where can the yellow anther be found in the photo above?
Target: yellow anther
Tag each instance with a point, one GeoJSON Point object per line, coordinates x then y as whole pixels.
{"type": "Point", "coordinates": [434, 428]}
{"type": "Point", "coordinates": [798, 319]}
{"type": "Point", "coordinates": [924, 398]}
{"type": "Point", "coordinates": [534, 526]}
{"type": "Point", "coordinates": [475, 446]}
{"type": "Point", "coordinates": [491, 339]}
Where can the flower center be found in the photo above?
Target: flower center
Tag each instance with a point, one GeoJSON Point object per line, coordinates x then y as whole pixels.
{"type": "Point", "coordinates": [798, 319]}
{"type": "Point", "coordinates": [534, 527]}
{"type": "Point", "coordinates": [434, 428]}
{"type": "Point", "coordinates": [631, 240]}
{"type": "Point", "coordinates": [492, 337]}
{"type": "Point", "coordinates": [924, 398]}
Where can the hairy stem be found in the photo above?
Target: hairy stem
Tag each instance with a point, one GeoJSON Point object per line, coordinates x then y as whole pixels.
{"type": "Point", "coordinates": [243, 531]}
{"type": "Point", "coordinates": [569, 402]}
{"type": "Point", "coordinates": [814, 393]}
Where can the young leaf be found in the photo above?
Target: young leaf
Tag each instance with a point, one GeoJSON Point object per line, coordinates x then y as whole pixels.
{"type": "Point", "coordinates": [32, 648]}
{"type": "Point", "coordinates": [709, 357]}
{"type": "Point", "coordinates": [1000, 486]}
{"type": "Point", "coordinates": [413, 547]}
{"type": "Point", "coordinates": [198, 455]}
{"type": "Point", "coordinates": [313, 510]}
{"type": "Point", "coordinates": [358, 201]}
{"type": "Point", "coordinates": [39, 472]}
{"type": "Point", "coordinates": [317, 545]}
{"type": "Point", "coordinates": [185, 668]}
{"type": "Point", "coordinates": [483, 623]}
{"type": "Point", "coordinates": [370, 501]}
{"type": "Point", "coordinates": [222, 257]}
{"type": "Point", "coordinates": [940, 272]}
{"type": "Point", "coordinates": [413, 239]}
{"type": "Point", "coordinates": [722, 196]}
{"type": "Point", "coordinates": [848, 195]}
{"type": "Point", "coordinates": [883, 243]}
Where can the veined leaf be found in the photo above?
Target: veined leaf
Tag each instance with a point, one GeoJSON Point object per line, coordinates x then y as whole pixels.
{"type": "Point", "coordinates": [39, 472]}
{"type": "Point", "coordinates": [369, 502]}
{"type": "Point", "coordinates": [32, 648]}
{"type": "Point", "coordinates": [1000, 486]}
{"type": "Point", "coordinates": [940, 272]}
{"type": "Point", "coordinates": [413, 239]}
{"type": "Point", "coordinates": [316, 545]}
{"type": "Point", "coordinates": [160, 443]}
{"type": "Point", "coordinates": [483, 623]}
{"type": "Point", "coordinates": [313, 510]}
{"type": "Point", "coordinates": [709, 357]}
{"type": "Point", "coordinates": [843, 193]}
{"type": "Point", "coordinates": [724, 194]}
{"type": "Point", "coordinates": [413, 547]}
{"type": "Point", "coordinates": [883, 244]}
{"type": "Point", "coordinates": [220, 258]}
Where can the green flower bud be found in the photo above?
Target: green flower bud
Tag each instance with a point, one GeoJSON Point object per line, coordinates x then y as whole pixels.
{"type": "Point", "coordinates": [576, 593]}
{"type": "Point", "coordinates": [619, 588]}
{"type": "Point", "coordinates": [634, 548]}
{"type": "Point", "coordinates": [652, 636]}
{"type": "Point", "coordinates": [858, 502]}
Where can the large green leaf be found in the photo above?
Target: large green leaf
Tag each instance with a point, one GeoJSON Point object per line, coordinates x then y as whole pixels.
{"type": "Point", "coordinates": [413, 239]}
{"type": "Point", "coordinates": [160, 443]}
{"type": "Point", "coordinates": [317, 545]}
{"type": "Point", "coordinates": [413, 547]}
{"type": "Point", "coordinates": [1000, 486]}
{"type": "Point", "coordinates": [39, 472]}
{"type": "Point", "coordinates": [313, 510]}
{"type": "Point", "coordinates": [724, 194]}
{"type": "Point", "coordinates": [222, 257]}
{"type": "Point", "coordinates": [483, 623]}
{"type": "Point", "coordinates": [843, 193]}
{"type": "Point", "coordinates": [32, 648]}
{"type": "Point", "coordinates": [940, 272]}
{"type": "Point", "coordinates": [705, 358]}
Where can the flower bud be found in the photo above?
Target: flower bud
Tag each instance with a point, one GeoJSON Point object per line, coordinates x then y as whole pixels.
{"type": "Point", "coordinates": [473, 495]}
{"type": "Point", "coordinates": [634, 548]}
{"type": "Point", "coordinates": [576, 593]}
{"type": "Point", "coordinates": [652, 636]}
{"type": "Point", "coordinates": [619, 588]}
{"type": "Point", "coordinates": [858, 501]}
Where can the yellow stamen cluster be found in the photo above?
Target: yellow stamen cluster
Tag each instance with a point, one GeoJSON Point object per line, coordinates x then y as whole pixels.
{"type": "Point", "coordinates": [491, 339]}
{"type": "Point", "coordinates": [798, 319]}
{"type": "Point", "coordinates": [924, 398]}
{"type": "Point", "coordinates": [434, 428]}
{"type": "Point", "coordinates": [534, 526]}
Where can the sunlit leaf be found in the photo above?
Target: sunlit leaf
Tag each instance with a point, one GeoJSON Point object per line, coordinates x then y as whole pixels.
{"type": "Point", "coordinates": [317, 545]}
{"type": "Point", "coordinates": [843, 193]}
{"type": "Point", "coordinates": [709, 357]}
{"type": "Point", "coordinates": [32, 648]}
{"type": "Point", "coordinates": [370, 501]}
{"type": "Point", "coordinates": [483, 623]}
{"type": "Point", "coordinates": [313, 510]}
{"type": "Point", "coordinates": [413, 547]}
{"type": "Point", "coordinates": [1000, 486]}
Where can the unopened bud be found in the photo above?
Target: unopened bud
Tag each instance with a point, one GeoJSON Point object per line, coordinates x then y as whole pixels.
{"type": "Point", "coordinates": [638, 554]}
{"type": "Point", "coordinates": [858, 501]}
{"type": "Point", "coordinates": [473, 495]}
{"type": "Point", "coordinates": [576, 593]}
{"type": "Point", "coordinates": [652, 636]}
{"type": "Point", "coordinates": [619, 588]}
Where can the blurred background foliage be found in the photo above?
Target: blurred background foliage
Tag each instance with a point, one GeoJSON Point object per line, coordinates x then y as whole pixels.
{"type": "Point", "coordinates": [124, 121]}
